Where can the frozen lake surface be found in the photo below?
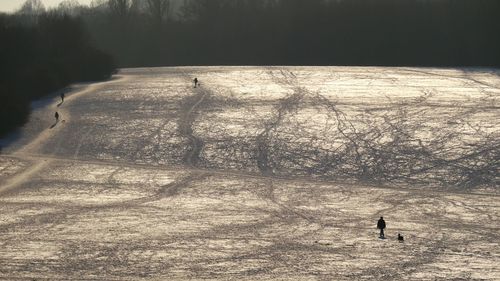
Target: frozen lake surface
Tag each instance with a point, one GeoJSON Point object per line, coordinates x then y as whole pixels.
{"type": "Point", "coordinates": [260, 173]}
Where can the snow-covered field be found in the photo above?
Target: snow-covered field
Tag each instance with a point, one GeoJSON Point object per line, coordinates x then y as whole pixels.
{"type": "Point", "coordinates": [259, 174]}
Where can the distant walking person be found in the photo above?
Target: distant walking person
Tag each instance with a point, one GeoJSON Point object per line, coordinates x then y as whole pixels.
{"type": "Point", "coordinates": [56, 116]}
{"type": "Point", "coordinates": [62, 99]}
{"type": "Point", "coordinates": [381, 226]}
{"type": "Point", "coordinates": [195, 82]}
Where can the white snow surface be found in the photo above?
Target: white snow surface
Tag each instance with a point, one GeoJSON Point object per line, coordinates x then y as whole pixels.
{"type": "Point", "coordinates": [260, 173]}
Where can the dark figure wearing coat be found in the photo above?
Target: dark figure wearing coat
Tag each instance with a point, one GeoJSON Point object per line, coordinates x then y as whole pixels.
{"type": "Point", "coordinates": [381, 226]}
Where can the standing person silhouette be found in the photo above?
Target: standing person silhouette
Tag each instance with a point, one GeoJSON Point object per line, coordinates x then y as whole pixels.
{"type": "Point", "coordinates": [56, 115]}
{"type": "Point", "coordinates": [195, 82]}
{"type": "Point", "coordinates": [381, 226]}
{"type": "Point", "coordinates": [62, 99]}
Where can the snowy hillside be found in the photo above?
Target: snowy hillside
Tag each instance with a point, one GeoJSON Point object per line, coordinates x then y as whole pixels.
{"type": "Point", "coordinates": [259, 173]}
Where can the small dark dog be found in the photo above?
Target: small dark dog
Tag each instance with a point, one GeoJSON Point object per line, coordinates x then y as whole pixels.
{"type": "Point", "coordinates": [400, 238]}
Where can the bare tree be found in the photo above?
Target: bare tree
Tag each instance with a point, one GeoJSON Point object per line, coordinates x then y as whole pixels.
{"type": "Point", "coordinates": [98, 4]}
{"type": "Point", "coordinates": [68, 7]}
{"type": "Point", "coordinates": [159, 10]}
{"type": "Point", "coordinates": [32, 7]}
{"type": "Point", "coordinates": [120, 8]}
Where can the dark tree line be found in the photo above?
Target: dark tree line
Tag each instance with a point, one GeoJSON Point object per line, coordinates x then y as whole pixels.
{"type": "Point", "coordinates": [298, 32]}
{"type": "Point", "coordinates": [39, 54]}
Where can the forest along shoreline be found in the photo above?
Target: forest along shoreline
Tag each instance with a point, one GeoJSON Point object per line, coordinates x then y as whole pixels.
{"type": "Point", "coordinates": [42, 55]}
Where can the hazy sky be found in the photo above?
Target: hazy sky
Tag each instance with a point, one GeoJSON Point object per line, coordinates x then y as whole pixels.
{"type": "Point", "coordinates": [12, 5]}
